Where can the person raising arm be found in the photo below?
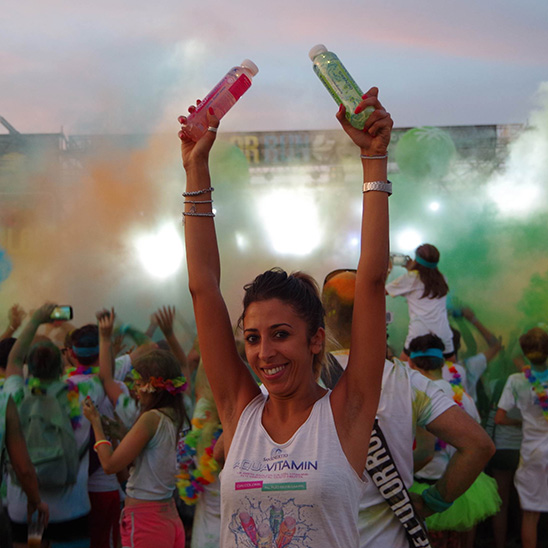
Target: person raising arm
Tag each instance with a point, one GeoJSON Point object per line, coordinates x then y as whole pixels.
{"type": "Point", "coordinates": [283, 325]}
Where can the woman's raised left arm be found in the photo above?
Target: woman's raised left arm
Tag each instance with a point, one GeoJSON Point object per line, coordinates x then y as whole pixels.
{"type": "Point", "coordinates": [356, 396]}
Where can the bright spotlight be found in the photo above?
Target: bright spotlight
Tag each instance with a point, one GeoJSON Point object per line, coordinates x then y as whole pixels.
{"type": "Point", "coordinates": [161, 253]}
{"type": "Point", "coordinates": [434, 206]}
{"type": "Point", "coordinates": [515, 200]}
{"type": "Point", "coordinates": [290, 218]}
{"type": "Point", "coordinates": [408, 240]}
{"type": "Point", "coordinates": [241, 241]}
{"type": "Point", "coordinates": [354, 241]}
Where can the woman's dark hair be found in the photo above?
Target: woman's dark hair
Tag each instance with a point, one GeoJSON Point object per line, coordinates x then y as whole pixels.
{"type": "Point", "coordinates": [44, 361]}
{"type": "Point", "coordinates": [300, 291]}
{"type": "Point", "coordinates": [435, 285]}
{"type": "Point", "coordinates": [86, 336]}
{"type": "Point", "coordinates": [534, 345]}
{"type": "Point", "coordinates": [423, 343]}
{"type": "Point", "coordinates": [162, 363]}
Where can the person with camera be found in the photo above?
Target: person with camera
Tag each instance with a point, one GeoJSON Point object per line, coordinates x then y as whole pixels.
{"type": "Point", "coordinates": [51, 416]}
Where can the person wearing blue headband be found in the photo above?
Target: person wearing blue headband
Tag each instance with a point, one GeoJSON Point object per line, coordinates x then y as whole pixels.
{"type": "Point", "coordinates": [425, 289]}
{"type": "Point", "coordinates": [103, 489]}
{"type": "Point", "coordinates": [408, 400]}
{"type": "Point", "coordinates": [454, 520]}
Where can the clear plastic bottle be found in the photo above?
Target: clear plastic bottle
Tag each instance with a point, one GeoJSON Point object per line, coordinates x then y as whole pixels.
{"type": "Point", "coordinates": [339, 83]}
{"type": "Point", "coordinates": [222, 97]}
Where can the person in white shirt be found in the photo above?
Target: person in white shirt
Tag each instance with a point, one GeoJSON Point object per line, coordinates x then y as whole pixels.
{"type": "Point", "coordinates": [528, 391]}
{"type": "Point", "coordinates": [69, 505]}
{"type": "Point", "coordinates": [295, 459]}
{"type": "Point", "coordinates": [425, 289]}
{"type": "Point", "coordinates": [150, 447]}
{"type": "Point", "coordinates": [408, 399]}
{"type": "Point", "coordinates": [481, 499]}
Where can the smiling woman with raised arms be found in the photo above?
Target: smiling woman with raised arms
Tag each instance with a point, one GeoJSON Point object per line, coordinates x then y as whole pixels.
{"type": "Point", "coordinates": [295, 458]}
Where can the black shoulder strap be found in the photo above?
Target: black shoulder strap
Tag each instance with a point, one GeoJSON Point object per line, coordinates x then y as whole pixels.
{"type": "Point", "coordinates": [385, 475]}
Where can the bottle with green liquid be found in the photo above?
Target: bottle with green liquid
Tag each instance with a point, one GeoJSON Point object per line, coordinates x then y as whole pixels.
{"type": "Point", "coordinates": [339, 83]}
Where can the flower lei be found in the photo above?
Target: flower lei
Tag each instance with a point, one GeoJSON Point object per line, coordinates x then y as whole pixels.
{"type": "Point", "coordinates": [456, 385]}
{"type": "Point", "coordinates": [73, 397]}
{"type": "Point", "coordinates": [539, 388]}
{"type": "Point", "coordinates": [174, 386]}
{"type": "Point", "coordinates": [458, 391]}
{"type": "Point", "coordinates": [192, 477]}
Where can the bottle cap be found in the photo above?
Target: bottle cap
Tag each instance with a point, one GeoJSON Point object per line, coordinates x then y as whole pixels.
{"type": "Point", "coordinates": [250, 65]}
{"type": "Point", "coordinates": [316, 50]}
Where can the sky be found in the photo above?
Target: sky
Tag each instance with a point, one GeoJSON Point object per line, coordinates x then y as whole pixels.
{"type": "Point", "coordinates": [133, 67]}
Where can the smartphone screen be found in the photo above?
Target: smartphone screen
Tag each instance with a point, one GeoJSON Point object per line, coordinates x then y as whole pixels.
{"type": "Point", "coordinates": [62, 313]}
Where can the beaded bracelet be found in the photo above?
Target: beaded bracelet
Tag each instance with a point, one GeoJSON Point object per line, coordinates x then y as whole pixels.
{"type": "Point", "coordinates": [198, 201]}
{"type": "Point", "coordinates": [198, 192]}
{"type": "Point", "coordinates": [101, 442]}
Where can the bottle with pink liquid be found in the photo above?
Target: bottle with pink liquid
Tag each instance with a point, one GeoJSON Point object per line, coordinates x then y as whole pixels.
{"type": "Point", "coordinates": [248, 524]}
{"type": "Point", "coordinates": [221, 98]}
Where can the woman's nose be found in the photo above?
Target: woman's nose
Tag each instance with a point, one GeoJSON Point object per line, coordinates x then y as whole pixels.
{"type": "Point", "coordinates": [266, 350]}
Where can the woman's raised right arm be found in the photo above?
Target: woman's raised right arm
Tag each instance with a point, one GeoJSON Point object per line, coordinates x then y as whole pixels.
{"type": "Point", "coordinates": [232, 385]}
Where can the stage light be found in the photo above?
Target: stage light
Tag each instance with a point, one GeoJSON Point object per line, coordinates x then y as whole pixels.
{"type": "Point", "coordinates": [241, 241]}
{"type": "Point", "coordinates": [160, 253]}
{"type": "Point", "coordinates": [354, 241]}
{"type": "Point", "coordinates": [408, 240]}
{"type": "Point", "coordinates": [290, 218]}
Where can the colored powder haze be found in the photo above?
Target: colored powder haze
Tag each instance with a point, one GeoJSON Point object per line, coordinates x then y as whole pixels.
{"type": "Point", "coordinates": [102, 70]}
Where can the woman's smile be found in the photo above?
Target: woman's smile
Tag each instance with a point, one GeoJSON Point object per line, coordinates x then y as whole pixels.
{"type": "Point", "coordinates": [277, 343]}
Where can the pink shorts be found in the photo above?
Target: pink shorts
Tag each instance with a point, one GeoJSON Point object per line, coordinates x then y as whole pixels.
{"type": "Point", "coordinates": [152, 524]}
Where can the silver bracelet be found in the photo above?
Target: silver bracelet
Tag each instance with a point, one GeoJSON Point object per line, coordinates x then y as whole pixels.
{"type": "Point", "coordinates": [198, 201]}
{"type": "Point", "coordinates": [194, 214]}
{"type": "Point", "coordinates": [379, 186]}
{"type": "Point", "coordinates": [364, 157]}
{"type": "Point", "coordinates": [198, 192]}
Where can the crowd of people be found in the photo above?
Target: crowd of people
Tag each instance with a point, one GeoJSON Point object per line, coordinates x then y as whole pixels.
{"type": "Point", "coordinates": [308, 433]}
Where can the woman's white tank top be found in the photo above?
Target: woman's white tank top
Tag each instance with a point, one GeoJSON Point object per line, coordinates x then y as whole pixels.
{"type": "Point", "coordinates": [300, 494]}
{"type": "Point", "coordinates": [153, 475]}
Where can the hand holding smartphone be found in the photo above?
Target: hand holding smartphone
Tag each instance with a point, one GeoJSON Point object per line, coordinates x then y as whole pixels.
{"type": "Point", "coordinates": [61, 313]}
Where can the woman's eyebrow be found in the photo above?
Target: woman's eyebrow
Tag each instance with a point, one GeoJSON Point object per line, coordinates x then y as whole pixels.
{"type": "Point", "coordinates": [275, 326]}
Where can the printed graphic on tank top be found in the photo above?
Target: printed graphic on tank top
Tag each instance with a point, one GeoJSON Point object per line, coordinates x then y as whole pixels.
{"type": "Point", "coordinates": [300, 494]}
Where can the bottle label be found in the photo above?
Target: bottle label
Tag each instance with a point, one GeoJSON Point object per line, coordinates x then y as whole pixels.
{"type": "Point", "coordinates": [343, 89]}
{"type": "Point", "coordinates": [240, 86]}
{"type": "Point", "coordinates": [339, 83]}
{"type": "Point", "coordinates": [222, 97]}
